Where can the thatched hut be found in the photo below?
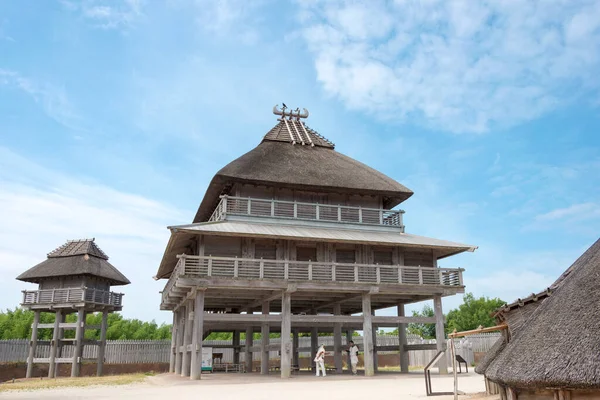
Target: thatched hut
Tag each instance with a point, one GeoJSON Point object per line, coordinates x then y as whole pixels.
{"type": "Point", "coordinates": [551, 349]}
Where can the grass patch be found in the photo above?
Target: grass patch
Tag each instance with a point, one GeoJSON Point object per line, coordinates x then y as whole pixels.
{"type": "Point", "coordinates": [48, 383]}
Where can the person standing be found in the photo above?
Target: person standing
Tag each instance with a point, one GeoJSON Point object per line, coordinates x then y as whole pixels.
{"type": "Point", "coordinates": [320, 360]}
{"type": "Point", "coordinates": [353, 351]}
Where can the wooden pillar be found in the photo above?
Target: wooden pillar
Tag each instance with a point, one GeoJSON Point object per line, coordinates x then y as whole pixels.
{"type": "Point", "coordinates": [295, 349]}
{"type": "Point", "coordinates": [249, 343]}
{"type": "Point", "coordinates": [337, 341]}
{"type": "Point", "coordinates": [236, 347]}
{"type": "Point", "coordinates": [367, 334]}
{"type": "Point", "coordinates": [348, 339]}
{"type": "Point", "coordinates": [187, 338]}
{"type": "Point", "coordinates": [173, 343]}
{"type": "Point", "coordinates": [402, 341]}
{"type": "Point", "coordinates": [286, 331]}
{"type": "Point", "coordinates": [178, 353]}
{"type": "Point", "coordinates": [102, 344]}
{"type": "Point", "coordinates": [375, 361]}
{"type": "Point", "coordinates": [78, 343]}
{"type": "Point", "coordinates": [60, 343]}
{"type": "Point", "coordinates": [54, 344]}
{"type": "Point", "coordinates": [264, 342]}
{"type": "Point", "coordinates": [197, 335]}
{"type": "Point", "coordinates": [314, 344]}
{"type": "Point", "coordinates": [33, 343]}
{"type": "Point", "coordinates": [440, 336]}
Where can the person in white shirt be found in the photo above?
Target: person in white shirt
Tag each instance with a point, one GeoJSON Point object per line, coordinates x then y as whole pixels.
{"type": "Point", "coordinates": [353, 351]}
{"type": "Point", "coordinates": [320, 360]}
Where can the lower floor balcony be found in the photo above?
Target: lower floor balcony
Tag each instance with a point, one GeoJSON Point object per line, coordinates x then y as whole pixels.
{"type": "Point", "coordinates": [309, 275]}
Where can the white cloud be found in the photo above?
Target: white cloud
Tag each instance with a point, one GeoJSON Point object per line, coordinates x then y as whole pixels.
{"type": "Point", "coordinates": [461, 66]}
{"type": "Point", "coordinates": [41, 209]}
{"type": "Point", "coordinates": [235, 19]}
{"type": "Point", "coordinates": [107, 14]}
{"type": "Point", "coordinates": [575, 211]}
{"type": "Point", "coordinates": [53, 99]}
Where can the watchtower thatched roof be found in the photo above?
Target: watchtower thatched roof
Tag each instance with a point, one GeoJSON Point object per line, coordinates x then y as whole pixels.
{"type": "Point", "coordinates": [558, 345]}
{"type": "Point", "coordinates": [313, 165]}
{"type": "Point", "coordinates": [75, 257]}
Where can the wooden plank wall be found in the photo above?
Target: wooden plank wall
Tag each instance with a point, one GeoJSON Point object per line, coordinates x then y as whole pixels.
{"type": "Point", "coordinates": [152, 351]}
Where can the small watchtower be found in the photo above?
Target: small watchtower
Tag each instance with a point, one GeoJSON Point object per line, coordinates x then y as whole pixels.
{"type": "Point", "coordinates": [76, 278]}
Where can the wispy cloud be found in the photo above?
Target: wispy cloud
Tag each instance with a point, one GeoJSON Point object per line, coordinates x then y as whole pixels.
{"type": "Point", "coordinates": [41, 209]}
{"type": "Point", "coordinates": [461, 66]}
{"type": "Point", "coordinates": [107, 14]}
{"type": "Point", "coordinates": [53, 99]}
{"type": "Point", "coordinates": [236, 19]}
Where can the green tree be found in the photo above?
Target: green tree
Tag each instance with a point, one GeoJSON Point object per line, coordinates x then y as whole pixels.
{"type": "Point", "coordinates": [426, 331]}
{"type": "Point", "coordinates": [473, 313]}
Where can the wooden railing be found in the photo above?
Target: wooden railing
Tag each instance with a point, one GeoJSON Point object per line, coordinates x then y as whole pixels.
{"type": "Point", "coordinates": [72, 295]}
{"type": "Point", "coordinates": [246, 206]}
{"type": "Point", "coordinates": [243, 268]}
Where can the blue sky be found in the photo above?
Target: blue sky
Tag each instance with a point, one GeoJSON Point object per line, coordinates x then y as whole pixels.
{"type": "Point", "coordinates": [114, 115]}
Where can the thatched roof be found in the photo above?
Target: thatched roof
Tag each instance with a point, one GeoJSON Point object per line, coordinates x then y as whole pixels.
{"type": "Point", "coordinates": [76, 257]}
{"type": "Point", "coordinates": [490, 355]}
{"type": "Point", "coordinates": [277, 162]}
{"type": "Point", "coordinates": [558, 345]}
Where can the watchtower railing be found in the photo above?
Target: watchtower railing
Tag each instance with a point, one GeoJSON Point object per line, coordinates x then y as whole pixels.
{"type": "Point", "coordinates": [246, 206]}
{"type": "Point", "coordinates": [72, 295]}
{"type": "Point", "coordinates": [245, 268]}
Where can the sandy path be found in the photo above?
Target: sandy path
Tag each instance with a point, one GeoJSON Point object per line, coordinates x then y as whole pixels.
{"type": "Point", "coordinates": [256, 387]}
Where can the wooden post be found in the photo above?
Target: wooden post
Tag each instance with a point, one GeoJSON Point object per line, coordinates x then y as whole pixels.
{"type": "Point", "coordinates": [295, 346]}
{"type": "Point", "coordinates": [102, 344]}
{"type": "Point", "coordinates": [348, 339]}
{"type": "Point", "coordinates": [440, 336]}
{"type": "Point", "coordinates": [236, 347]}
{"type": "Point", "coordinates": [179, 343]}
{"type": "Point", "coordinates": [337, 341]}
{"type": "Point", "coordinates": [187, 338]}
{"type": "Point", "coordinates": [375, 364]}
{"type": "Point", "coordinates": [33, 343]}
{"type": "Point", "coordinates": [198, 334]}
{"type": "Point", "coordinates": [78, 343]}
{"type": "Point", "coordinates": [173, 343]}
{"type": "Point", "coordinates": [53, 345]}
{"type": "Point", "coordinates": [59, 343]}
{"type": "Point", "coordinates": [402, 341]}
{"type": "Point", "coordinates": [264, 342]}
{"type": "Point", "coordinates": [249, 343]}
{"type": "Point", "coordinates": [367, 334]}
{"type": "Point", "coordinates": [286, 331]}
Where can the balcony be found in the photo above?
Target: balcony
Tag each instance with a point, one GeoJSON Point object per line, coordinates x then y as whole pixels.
{"type": "Point", "coordinates": [71, 295]}
{"type": "Point", "coordinates": [309, 271]}
{"type": "Point", "coordinates": [245, 207]}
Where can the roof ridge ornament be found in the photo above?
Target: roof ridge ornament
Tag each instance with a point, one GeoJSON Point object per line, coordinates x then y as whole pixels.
{"type": "Point", "coordinates": [294, 118]}
{"type": "Point", "coordinates": [291, 113]}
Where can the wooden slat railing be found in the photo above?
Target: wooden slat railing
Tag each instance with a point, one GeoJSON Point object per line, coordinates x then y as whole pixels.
{"type": "Point", "coordinates": [71, 295]}
{"type": "Point", "coordinates": [244, 268]}
{"type": "Point", "coordinates": [246, 206]}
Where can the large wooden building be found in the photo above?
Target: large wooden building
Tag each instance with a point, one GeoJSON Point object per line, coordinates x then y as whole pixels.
{"type": "Point", "coordinates": [294, 237]}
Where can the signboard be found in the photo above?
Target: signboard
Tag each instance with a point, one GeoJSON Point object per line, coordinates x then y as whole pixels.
{"type": "Point", "coordinates": [207, 359]}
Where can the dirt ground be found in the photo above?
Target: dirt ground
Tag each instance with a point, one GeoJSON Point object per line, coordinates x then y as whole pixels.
{"type": "Point", "coordinates": [256, 387]}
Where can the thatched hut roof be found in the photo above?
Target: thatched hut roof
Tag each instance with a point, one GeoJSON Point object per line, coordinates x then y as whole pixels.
{"type": "Point", "coordinates": [558, 345]}
{"type": "Point", "coordinates": [490, 355]}
{"type": "Point", "coordinates": [278, 163]}
{"type": "Point", "coordinates": [76, 257]}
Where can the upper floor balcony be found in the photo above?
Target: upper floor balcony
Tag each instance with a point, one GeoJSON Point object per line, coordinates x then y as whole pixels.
{"type": "Point", "coordinates": [307, 213]}
{"type": "Point", "coordinates": [53, 297]}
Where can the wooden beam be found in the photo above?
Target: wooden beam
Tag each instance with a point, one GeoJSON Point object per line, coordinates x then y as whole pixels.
{"type": "Point", "coordinates": [478, 330]}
